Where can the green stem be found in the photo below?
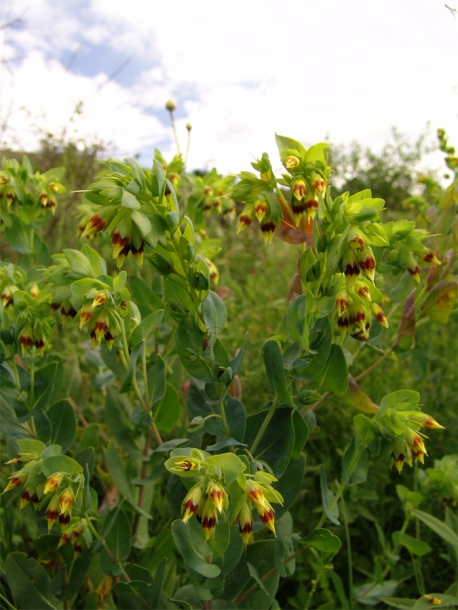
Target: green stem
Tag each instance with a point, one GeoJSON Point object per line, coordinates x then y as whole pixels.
{"type": "Point", "coordinates": [7, 602]}
{"type": "Point", "coordinates": [192, 292]}
{"type": "Point", "coordinates": [32, 380]}
{"type": "Point", "coordinates": [222, 412]}
{"type": "Point", "coordinates": [264, 425]}
{"type": "Point", "coordinates": [174, 129]}
{"type": "Point", "coordinates": [350, 560]}
{"type": "Point", "coordinates": [145, 379]}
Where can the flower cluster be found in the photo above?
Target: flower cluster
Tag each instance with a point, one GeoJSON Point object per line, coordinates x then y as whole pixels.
{"type": "Point", "coordinates": [26, 195]}
{"type": "Point", "coordinates": [51, 482]}
{"type": "Point", "coordinates": [297, 202]}
{"type": "Point", "coordinates": [79, 286]}
{"type": "Point", "coordinates": [223, 490]}
{"type": "Point", "coordinates": [400, 422]}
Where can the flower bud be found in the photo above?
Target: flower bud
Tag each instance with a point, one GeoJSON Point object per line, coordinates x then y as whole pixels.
{"type": "Point", "coordinates": [27, 496]}
{"type": "Point", "coordinates": [342, 303]}
{"type": "Point", "coordinates": [99, 299]}
{"type": "Point", "coordinates": [7, 297]}
{"type": "Point", "coordinates": [191, 503]}
{"type": "Point", "coordinates": [260, 209]}
{"type": "Point", "coordinates": [425, 421]}
{"type": "Point", "coordinates": [291, 162]}
{"type": "Point", "coordinates": [268, 230]}
{"type": "Point", "coordinates": [431, 258]}
{"type": "Point", "coordinates": [66, 500]}
{"type": "Point", "coordinates": [318, 183]}
{"type": "Point", "coordinates": [94, 226]}
{"type": "Point", "coordinates": [209, 518]}
{"type": "Point", "coordinates": [245, 219]}
{"type": "Point", "coordinates": [86, 316]}
{"type": "Point", "coordinates": [379, 315]}
{"type": "Point", "coordinates": [138, 253]}
{"type": "Point", "coordinates": [170, 105]}
{"type": "Point", "coordinates": [18, 479]}
{"type": "Point", "coordinates": [217, 496]}
{"type": "Point", "coordinates": [214, 273]}
{"type": "Point", "coordinates": [368, 265]}
{"type": "Point", "coordinates": [415, 273]}
{"type": "Point", "coordinates": [299, 188]}
{"type": "Point", "coordinates": [52, 512]}
{"type": "Point", "coordinates": [25, 338]}
{"type": "Point", "coordinates": [245, 519]}
{"type": "Point", "coordinates": [53, 482]}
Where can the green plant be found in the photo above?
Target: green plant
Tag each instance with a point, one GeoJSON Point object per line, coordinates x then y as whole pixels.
{"type": "Point", "coordinates": [102, 533]}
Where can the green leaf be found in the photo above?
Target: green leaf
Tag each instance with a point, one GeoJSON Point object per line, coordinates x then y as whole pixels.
{"type": "Point", "coordinates": [335, 376]}
{"type": "Point", "coordinates": [402, 603]}
{"type": "Point", "coordinates": [401, 399]}
{"type": "Point", "coordinates": [229, 463]}
{"type": "Point", "coordinates": [78, 262]}
{"type": "Point", "coordinates": [413, 545]}
{"type": "Point", "coordinates": [129, 201]}
{"type": "Point", "coordinates": [289, 485]}
{"type": "Point", "coordinates": [156, 380]}
{"type": "Point", "coordinates": [236, 417]}
{"type": "Point", "coordinates": [367, 432]}
{"type": "Point", "coordinates": [60, 463]}
{"type": "Point", "coordinates": [254, 574]}
{"type": "Point", "coordinates": [190, 343]}
{"type": "Point", "coordinates": [357, 399]}
{"type": "Point", "coordinates": [185, 545]}
{"type": "Point", "coordinates": [117, 412]}
{"type": "Point", "coordinates": [215, 316]}
{"type": "Point", "coordinates": [277, 442]}
{"type": "Point", "coordinates": [355, 463]}
{"type": "Point", "coordinates": [30, 583]}
{"type": "Point", "coordinates": [327, 497]}
{"type": "Point", "coordinates": [116, 530]}
{"type": "Point", "coordinates": [118, 474]}
{"type": "Point", "coordinates": [63, 422]}
{"type": "Point", "coordinates": [147, 326]}
{"type": "Point", "coordinates": [136, 356]}
{"type": "Point", "coordinates": [273, 362]}
{"type": "Point", "coordinates": [166, 411]}
{"type": "Point", "coordinates": [284, 143]}
{"type": "Point", "coordinates": [301, 434]}
{"type": "Point", "coordinates": [323, 540]}
{"type": "Point", "coordinates": [440, 301]}
{"type": "Point", "coordinates": [439, 527]}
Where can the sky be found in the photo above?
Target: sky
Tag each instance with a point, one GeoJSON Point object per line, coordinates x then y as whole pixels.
{"type": "Point", "coordinates": [239, 71]}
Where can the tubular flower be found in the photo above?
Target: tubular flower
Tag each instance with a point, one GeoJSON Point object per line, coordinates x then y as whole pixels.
{"type": "Point", "coordinates": [260, 209]}
{"type": "Point", "coordinates": [291, 162]}
{"type": "Point", "coordinates": [191, 503]}
{"type": "Point", "coordinates": [425, 421]}
{"type": "Point", "coordinates": [268, 230]}
{"type": "Point", "coordinates": [66, 500]}
{"type": "Point", "coordinates": [217, 496]}
{"type": "Point", "coordinates": [379, 314]}
{"type": "Point", "coordinates": [53, 482]}
{"type": "Point", "coordinates": [99, 299]}
{"type": "Point", "coordinates": [299, 188]}
{"type": "Point", "coordinates": [245, 218]}
{"type": "Point", "coordinates": [415, 273]}
{"type": "Point", "coordinates": [417, 447]}
{"type": "Point", "coordinates": [209, 518]}
{"type": "Point", "coordinates": [245, 519]}
{"type": "Point", "coordinates": [318, 183]}
{"type": "Point", "coordinates": [52, 512]}
{"type": "Point", "coordinates": [94, 226]}
{"type": "Point", "coordinates": [16, 480]}
{"type": "Point", "coordinates": [265, 510]}
{"type": "Point", "coordinates": [86, 316]}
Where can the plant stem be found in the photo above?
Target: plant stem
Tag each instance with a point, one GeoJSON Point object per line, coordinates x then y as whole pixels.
{"type": "Point", "coordinates": [336, 498]}
{"type": "Point", "coordinates": [350, 560]}
{"type": "Point", "coordinates": [174, 129]}
{"type": "Point", "coordinates": [7, 602]}
{"type": "Point", "coordinates": [375, 364]}
{"type": "Point", "coordinates": [263, 427]}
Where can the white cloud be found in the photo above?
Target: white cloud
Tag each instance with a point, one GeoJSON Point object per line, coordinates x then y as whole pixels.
{"type": "Point", "coordinates": [242, 71]}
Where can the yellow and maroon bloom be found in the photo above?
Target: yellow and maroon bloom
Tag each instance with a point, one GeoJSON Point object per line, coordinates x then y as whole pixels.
{"type": "Point", "coordinates": [342, 303]}
{"type": "Point", "coordinates": [34, 290]}
{"type": "Point", "coordinates": [7, 297]}
{"type": "Point", "coordinates": [357, 243]}
{"type": "Point", "coordinates": [209, 518]}
{"type": "Point", "coordinates": [260, 209]}
{"type": "Point", "coordinates": [245, 218]}
{"type": "Point", "coordinates": [26, 338]}
{"type": "Point", "coordinates": [100, 329]}
{"type": "Point", "coordinates": [425, 421]}
{"type": "Point", "coordinates": [191, 503]}
{"type": "Point", "coordinates": [86, 316]}
{"type": "Point", "coordinates": [267, 516]}
{"type": "Point", "coordinates": [367, 264]}
{"type": "Point", "coordinates": [109, 339]}
{"type": "Point", "coordinates": [379, 314]}
{"type": "Point", "coordinates": [363, 291]}
{"type": "Point", "coordinates": [415, 273]}
{"type": "Point", "coordinates": [311, 206]}
{"type": "Point", "coordinates": [255, 494]}
{"type": "Point", "coordinates": [66, 500]}
{"type": "Point", "coordinates": [138, 253]}
{"type": "Point", "coordinates": [214, 273]}
{"type": "Point", "coordinates": [291, 162]}
{"type": "Point", "coordinates": [18, 479]}
{"type": "Point", "coordinates": [53, 482]}
{"type": "Point", "coordinates": [245, 520]}
{"type": "Point", "coordinates": [182, 465]}
{"type": "Point", "coordinates": [318, 183]}
{"type": "Point", "coordinates": [299, 188]}
{"type": "Point", "coordinates": [64, 521]}
{"type": "Point", "coordinates": [217, 496]}
{"type": "Point", "coordinates": [431, 258]}
{"type": "Point", "coordinates": [28, 495]}
{"type": "Point", "coordinates": [94, 226]}
{"type": "Point", "coordinates": [52, 512]}
{"type": "Point", "coordinates": [268, 230]}
{"type": "Point", "coordinates": [417, 447]}
{"type": "Point", "coordinates": [99, 299]}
